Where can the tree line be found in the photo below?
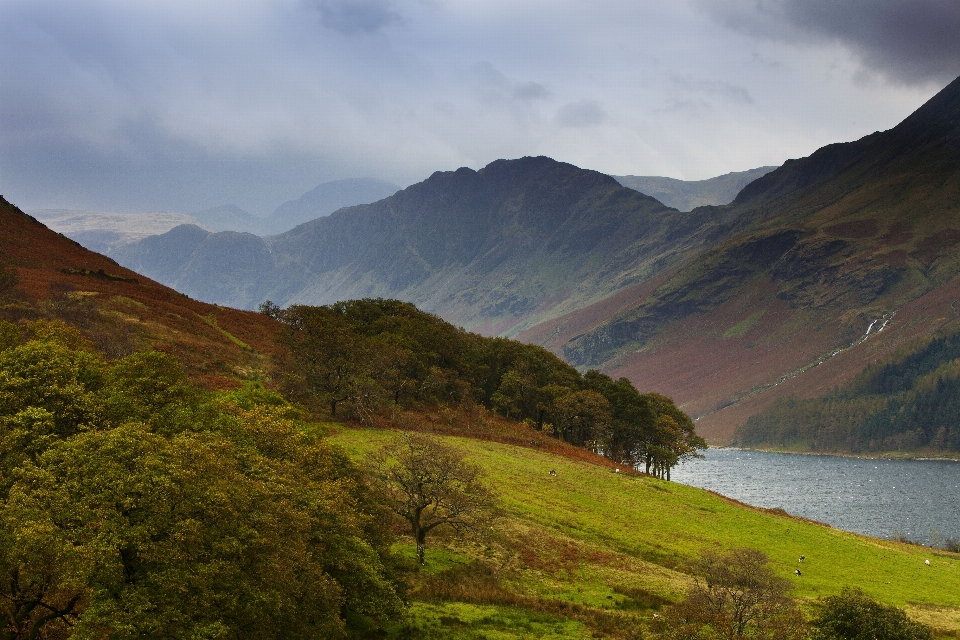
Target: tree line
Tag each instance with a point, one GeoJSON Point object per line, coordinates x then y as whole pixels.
{"type": "Point", "coordinates": [357, 358]}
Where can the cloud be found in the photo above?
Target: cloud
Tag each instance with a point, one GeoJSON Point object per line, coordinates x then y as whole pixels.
{"type": "Point", "coordinates": [905, 41]}
{"type": "Point", "coordinates": [724, 90]}
{"type": "Point", "coordinates": [356, 16]}
{"type": "Point", "coordinates": [585, 113]}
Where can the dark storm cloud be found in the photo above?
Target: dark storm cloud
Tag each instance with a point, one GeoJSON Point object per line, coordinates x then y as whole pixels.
{"type": "Point", "coordinates": [356, 16]}
{"type": "Point", "coordinates": [905, 41]}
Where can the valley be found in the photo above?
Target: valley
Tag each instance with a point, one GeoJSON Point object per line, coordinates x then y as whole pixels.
{"type": "Point", "coordinates": [725, 308]}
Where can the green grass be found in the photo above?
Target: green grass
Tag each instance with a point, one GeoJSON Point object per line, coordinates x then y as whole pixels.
{"type": "Point", "coordinates": [618, 544]}
{"type": "Point", "coordinates": [212, 322]}
{"type": "Point", "coordinates": [744, 325]}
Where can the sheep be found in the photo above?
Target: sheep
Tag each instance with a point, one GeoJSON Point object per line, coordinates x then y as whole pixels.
{"type": "Point", "coordinates": [926, 562]}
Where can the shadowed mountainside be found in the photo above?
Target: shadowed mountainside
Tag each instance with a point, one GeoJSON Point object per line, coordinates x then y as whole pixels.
{"type": "Point", "coordinates": [493, 250]}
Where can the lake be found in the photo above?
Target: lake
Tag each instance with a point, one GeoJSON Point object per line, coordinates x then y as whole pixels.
{"type": "Point", "coordinates": [882, 498]}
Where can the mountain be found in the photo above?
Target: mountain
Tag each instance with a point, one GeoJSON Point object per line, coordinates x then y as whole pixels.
{"type": "Point", "coordinates": [326, 198]}
{"type": "Point", "coordinates": [836, 261]}
{"type": "Point", "coordinates": [494, 250]}
{"type": "Point", "coordinates": [686, 195]}
{"type": "Point", "coordinates": [816, 270]}
{"type": "Point", "coordinates": [229, 217]}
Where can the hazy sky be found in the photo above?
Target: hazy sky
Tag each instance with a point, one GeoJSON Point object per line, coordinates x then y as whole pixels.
{"type": "Point", "coordinates": [179, 105]}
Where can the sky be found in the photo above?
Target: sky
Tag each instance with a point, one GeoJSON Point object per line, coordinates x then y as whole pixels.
{"type": "Point", "coordinates": [180, 105]}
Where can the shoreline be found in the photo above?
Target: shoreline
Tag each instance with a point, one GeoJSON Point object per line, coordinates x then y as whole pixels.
{"type": "Point", "coordinates": [888, 455]}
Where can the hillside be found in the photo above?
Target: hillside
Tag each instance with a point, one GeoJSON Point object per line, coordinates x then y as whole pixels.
{"type": "Point", "coordinates": [493, 250]}
{"type": "Point", "coordinates": [126, 311]}
{"type": "Point", "coordinates": [600, 550]}
{"type": "Point", "coordinates": [687, 195]}
{"type": "Point", "coordinates": [839, 259]}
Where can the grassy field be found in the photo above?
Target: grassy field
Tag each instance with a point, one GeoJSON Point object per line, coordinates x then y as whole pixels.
{"type": "Point", "coordinates": [589, 551]}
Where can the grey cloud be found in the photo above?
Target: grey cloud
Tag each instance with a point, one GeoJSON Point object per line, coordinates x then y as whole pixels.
{"type": "Point", "coordinates": [585, 113]}
{"type": "Point", "coordinates": [725, 90]}
{"type": "Point", "coordinates": [356, 16]}
{"type": "Point", "coordinates": [530, 91]}
{"type": "Point", "coordinates": [497, 86]}
{"type": "Point", "coordinates": [906, 41]}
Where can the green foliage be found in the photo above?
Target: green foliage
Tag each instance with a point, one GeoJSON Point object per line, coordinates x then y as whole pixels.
{"type": "Point", "coordinates": [357, 357]}
{"type": "Point", "coordinates": [430, 485]}
{"type": "Point", "coordinates": [853, 615]}
{"type": "Point", "coordinates": [135, 505]}
{"type": "Point", "coordinates": [736, 595]}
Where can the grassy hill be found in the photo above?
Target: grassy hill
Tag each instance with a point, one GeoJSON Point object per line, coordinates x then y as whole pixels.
{"type": "Point", "coordinates": [590, 550]}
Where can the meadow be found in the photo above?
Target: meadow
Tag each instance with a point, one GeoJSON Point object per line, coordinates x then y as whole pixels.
{"type": "Point", "coordinates": [592, 551]}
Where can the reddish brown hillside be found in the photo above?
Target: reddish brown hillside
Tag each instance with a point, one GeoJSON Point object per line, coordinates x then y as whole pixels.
{"type": "Point", "coordinates": [217, 345]}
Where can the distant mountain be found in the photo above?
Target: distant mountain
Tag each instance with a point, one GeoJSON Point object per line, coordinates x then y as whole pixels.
{"type": "Point", "coordinates": [326, 198]}
{"type": "Point", "coordinates": [687, 195]}
{"type": "Point", "coordinates": [814, 272]}
{"type": "Point", "coordinates": [230, 217]}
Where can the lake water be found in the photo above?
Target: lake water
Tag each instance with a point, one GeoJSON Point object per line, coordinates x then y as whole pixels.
{"type": "Point", "coordinates": [882, 498]}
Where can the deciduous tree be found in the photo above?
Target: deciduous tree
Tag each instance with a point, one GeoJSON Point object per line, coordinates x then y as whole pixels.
{"type": "Point", "coordinates": [736, 595]}
{"type": "Point", "coordinates": [431, 485]}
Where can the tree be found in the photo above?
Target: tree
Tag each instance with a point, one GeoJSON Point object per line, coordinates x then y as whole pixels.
{"type": "Point", "coordinates": [853, 615]}
{"type": "Point", "coordinates": [583, 419]}
{"type": "Point", "coordinates": [671, 439]}
{"type": "Point", "coordinates": [736, 595]}
{"type": "Point", "coordinates": [430, 485]}
{"type": "Point", "coordinates": [135, 505]}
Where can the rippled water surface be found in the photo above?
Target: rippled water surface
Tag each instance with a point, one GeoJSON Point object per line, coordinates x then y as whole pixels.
{"type": "Point", "coordinates": [882, 498]}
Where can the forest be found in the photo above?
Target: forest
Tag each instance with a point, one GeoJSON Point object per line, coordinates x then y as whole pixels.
{"type": "Point", "coordinates": [354, 359]}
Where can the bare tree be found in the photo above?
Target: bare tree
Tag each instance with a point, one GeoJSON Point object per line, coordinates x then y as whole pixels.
{"type": "Point", "coordinates": [430, 485]}
{"type": "Point", "coordinates": [736, 595]}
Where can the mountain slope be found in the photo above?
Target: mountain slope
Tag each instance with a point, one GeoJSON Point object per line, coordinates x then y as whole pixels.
{"type": "Point", "coordinates": [123, 310]}
{"type": "Point", "coordinates": [494, 250]}
{"type": "Point", "coordinates": [827, 249]}
{"type": "Point", "coordinates": [687, 195]}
